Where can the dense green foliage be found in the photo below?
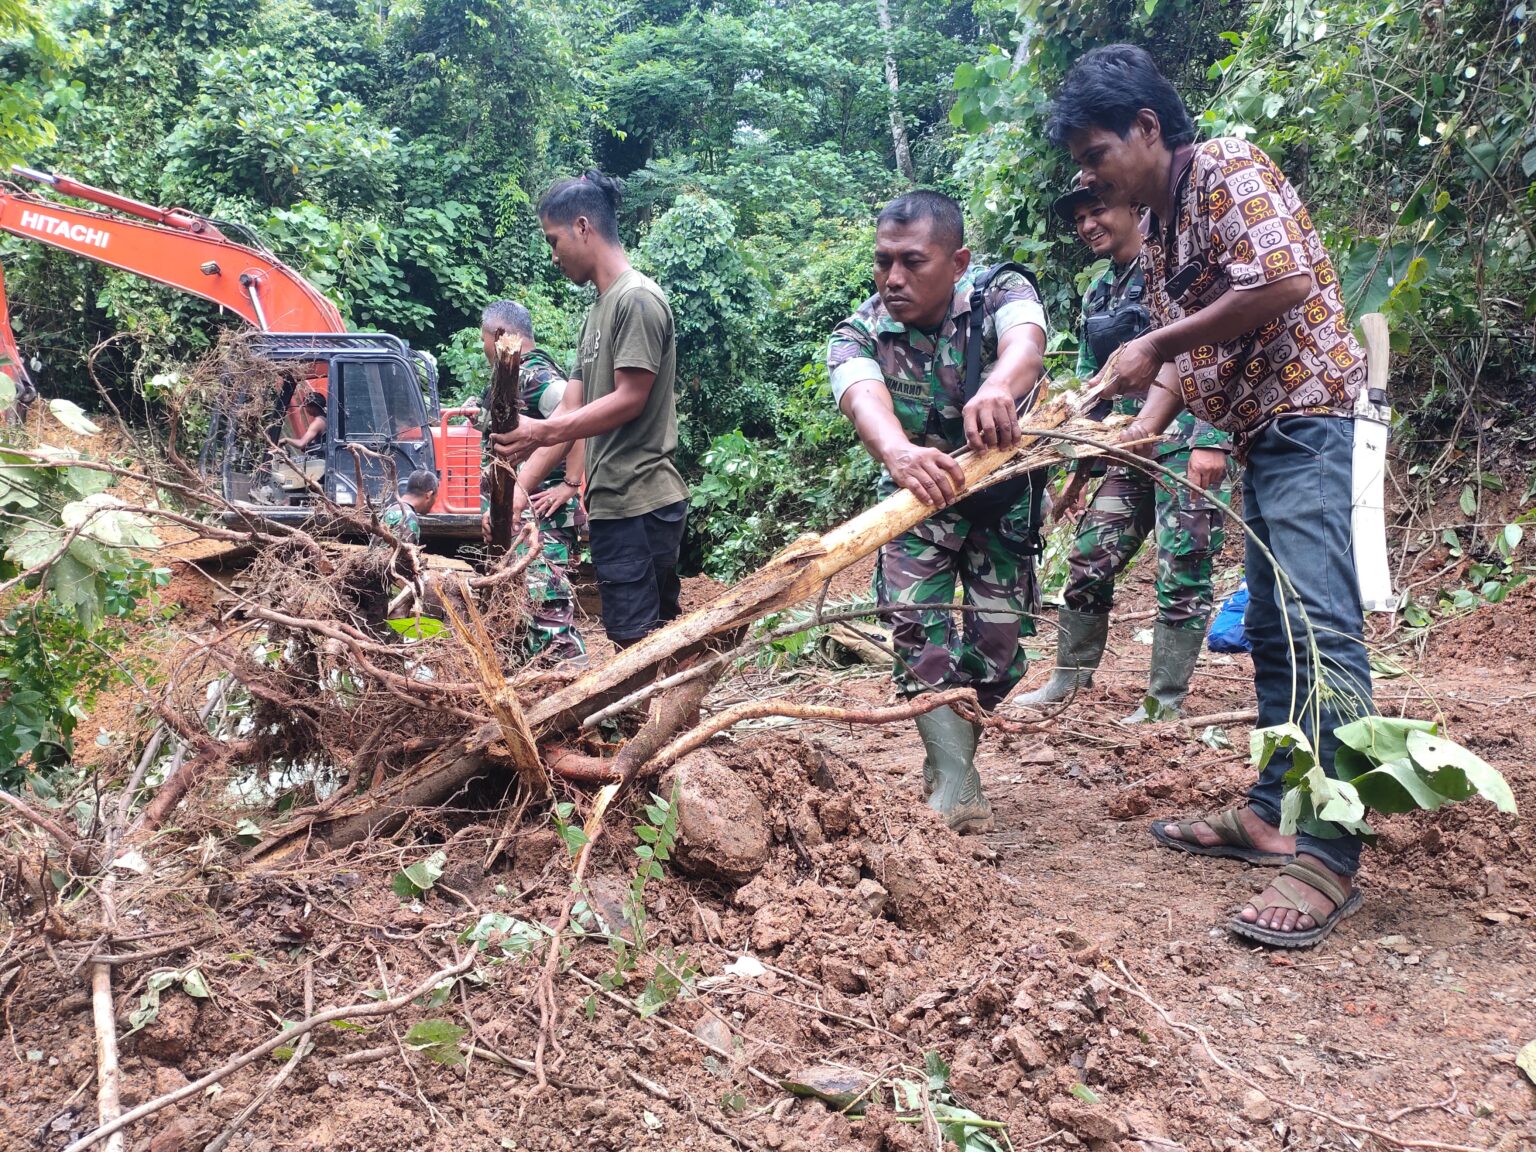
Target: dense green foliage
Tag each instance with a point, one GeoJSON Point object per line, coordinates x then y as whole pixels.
{"type": "Point", "coordinates": [71, 588]}
{"type": "Point", "coordinates": [394, 153]}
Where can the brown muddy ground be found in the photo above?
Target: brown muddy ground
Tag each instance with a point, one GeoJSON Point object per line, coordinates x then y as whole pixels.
{"type": "Point", "coordinates": [1077, 979]}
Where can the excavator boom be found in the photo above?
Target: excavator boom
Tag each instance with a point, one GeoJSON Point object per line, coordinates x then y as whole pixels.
{"type": "Point", "coordinates": [250, 283]}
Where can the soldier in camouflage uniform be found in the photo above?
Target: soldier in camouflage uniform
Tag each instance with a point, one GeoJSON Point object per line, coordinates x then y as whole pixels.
{"type": "Point", "coordinates": [898, 372]}
{"type": "Point", "coordinates": [401, 516]}
{"type": "Point", "coordinates": [556, 503]}
{"type": "Point", "coordinates": [1131, 502]}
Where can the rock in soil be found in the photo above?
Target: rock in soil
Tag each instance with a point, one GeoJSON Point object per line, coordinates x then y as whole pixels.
{"type": "Point", "coordinates": [722, 830]}
{"type": "Point", "coordinates": [1088, 1121]}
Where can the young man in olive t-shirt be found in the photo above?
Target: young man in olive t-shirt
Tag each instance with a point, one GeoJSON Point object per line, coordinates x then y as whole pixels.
{"type": "Point", "coordinates": [621, 402]}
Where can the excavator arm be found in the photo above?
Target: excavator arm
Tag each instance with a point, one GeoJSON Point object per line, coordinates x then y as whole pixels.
{"type": "Point", "coordinates": [169, 246]}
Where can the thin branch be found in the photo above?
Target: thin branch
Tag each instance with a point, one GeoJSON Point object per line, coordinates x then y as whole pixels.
{"type": "Point", "coordinates": [285, 1037]}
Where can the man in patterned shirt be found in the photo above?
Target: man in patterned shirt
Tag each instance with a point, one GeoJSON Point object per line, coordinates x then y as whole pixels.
{"type": "Point", "coordinates": [555, 502]}
{"type": "Point", "coordinates": [898, 372]}
{"type": "Point", "coordinates": [1130, 502]}
{"type": "Point", "coordinates": [1252, 336]}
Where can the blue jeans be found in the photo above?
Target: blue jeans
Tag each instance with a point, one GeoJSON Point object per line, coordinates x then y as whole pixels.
{"type": "Point", "coordinates": [1296, 500]}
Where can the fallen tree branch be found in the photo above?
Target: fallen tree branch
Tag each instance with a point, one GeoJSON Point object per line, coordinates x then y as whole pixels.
{"type": "Point", "coordinates": [761, 709]}
{"type": "Point", "coordinates": [544, 994]}
{"type": "Point", "coordinates": [104, 1017]}
{"type": "Point", "coordinates": [1241, 716]}
{"type": "Point", "coordinates": [287, 1036]}
{"type": "Point", "coordinates": [66, 840]}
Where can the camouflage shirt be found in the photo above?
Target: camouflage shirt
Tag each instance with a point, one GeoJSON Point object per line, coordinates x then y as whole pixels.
{"type": "Point", "coordinates": [1117, 288]}
{"type": "Point", "coordinates": [925, 371]}
{"type": "Point", "coordinates": [400, 518]}
{"type": "Point", "coordinates": [541, 387]}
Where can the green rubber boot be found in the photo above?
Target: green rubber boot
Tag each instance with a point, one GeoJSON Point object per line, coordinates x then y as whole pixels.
{"type": "Point", "coordinates": [1080, 639]}
{"type": "Point", "coordinates": [1175, 652]}
{"type": "Point", "coordinates": [950, 779]}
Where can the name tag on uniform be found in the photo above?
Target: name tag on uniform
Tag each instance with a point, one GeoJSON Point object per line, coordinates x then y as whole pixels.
{"type": "Point", "coordinates": [917, 390]}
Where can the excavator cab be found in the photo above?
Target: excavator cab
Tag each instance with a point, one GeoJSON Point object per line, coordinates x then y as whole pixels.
{"type": "Point", "coordinates": [382, 422]}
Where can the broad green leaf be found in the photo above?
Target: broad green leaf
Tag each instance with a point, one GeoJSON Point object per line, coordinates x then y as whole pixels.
{"type": "Point", "coordinates": [73, 417]}
{"type": "Point", "coordinates": [1386, 669]}
{"type": "Point", "coordinates": [193, 984]}
{"type": "Point", "coordinates": [1458, 773]}
{"type": "Point", "coordinates": [1215, 738]}
{"type": "Point", "coordinates": [7, 388]}
{"type": "Point", "coordinates": [18, 486]}
{"type": "Point", "coordinates": [33, 545]}
{"type": "Point", "coordinates": [1382, 739]}
{"type": "Point", "coordinates": [417, 627]}
{"type": "Point", "coordinates": [437, 1040]}
{"type": "Point", "coordinates": [105, 518]}
{"type": "Point", "coordinates": [1468, 500]}
{"type": "Point", "coordinates": [1509, 539]}
{"type": "Point", "coordinates": [1263, 743]}
{"type": "Point", "coordinates": [88, 481]}
{"type": "Point", "coordinates": [425, 873]}
{"type": "Point", "coordinates": [1396, 787]}
{"type": "Point", "coordinates": [1335, 800]}
{"type": "Point", "coordinates": [1290, 810]}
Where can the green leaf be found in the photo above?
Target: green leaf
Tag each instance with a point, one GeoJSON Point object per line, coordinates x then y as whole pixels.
{"type": "Point", "coordinates": [33, 545]}
{"type": "Point", "coordinates": [1215, 738]}
{"type": "Point", "coordinates": [1381, 739]}
{"type": "Point", "coordinates": [937, 1070]}
{"type": "Point", "coordinates": [1396, 787]}
{"type": "Point", "coordinates": [7, 388]}
{"type": "Point", "coordinates": [1385, 668]}
{"type": "Point", "coordinates": [1263, 743]}
{"type": "Point", "coordinates": [193, 984]}
{"type": "Point", "coordinates": [1509, 539]}
{"type": "Point", "coordinates": [73, 417]}
{"type": "Point", "coordinates": [425, 873]}
{"type": "Point", "coordinates": [437, 1040]}
{"type": "Point", "coordinates": [417, 627]}
{"type": "Point", "coordinates": [1458, 773]}
{"type": "Point", "coordinates": [1468, 500]}
{"type": "Point", "coordinates": [1084, 1093]}
{"type": "Point", "coordinates": [419, 877]}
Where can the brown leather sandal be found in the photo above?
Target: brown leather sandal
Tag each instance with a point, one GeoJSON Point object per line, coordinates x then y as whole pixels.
{"type": "Point", "coordinates": [1235, 844]}
{"type": "Point", "coordinates": [1292, 895]}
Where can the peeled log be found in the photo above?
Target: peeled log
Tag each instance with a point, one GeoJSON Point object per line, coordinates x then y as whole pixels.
{"type": "Point", "coordinates": [797, 573]}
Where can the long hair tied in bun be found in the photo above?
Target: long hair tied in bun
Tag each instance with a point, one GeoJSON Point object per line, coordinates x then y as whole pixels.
{"type": "Point", "coordinates": [593, 194]}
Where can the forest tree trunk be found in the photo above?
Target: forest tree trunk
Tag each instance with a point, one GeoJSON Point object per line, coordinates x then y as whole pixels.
{"type": "Point", "coordinates": [893, 82]}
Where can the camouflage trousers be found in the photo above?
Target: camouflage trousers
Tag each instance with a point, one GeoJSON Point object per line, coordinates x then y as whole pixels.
{"type": "Point", "coordinates": [937, 648]}
{"type": "Point", "coordinates": [553, 625]}
{"type": "Point", "coordinates": [1129, 503]}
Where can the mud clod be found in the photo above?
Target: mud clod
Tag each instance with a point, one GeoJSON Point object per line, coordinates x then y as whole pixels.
{"type": "Point", "coordinates": [722, 829]}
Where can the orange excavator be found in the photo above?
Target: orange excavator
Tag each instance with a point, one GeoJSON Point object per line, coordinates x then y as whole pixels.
{"type": "Point", "coordinates": [377, 397]}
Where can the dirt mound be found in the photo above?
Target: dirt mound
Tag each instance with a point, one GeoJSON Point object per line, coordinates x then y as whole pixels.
{"type": "Point", "coordinates": [1491, 636]}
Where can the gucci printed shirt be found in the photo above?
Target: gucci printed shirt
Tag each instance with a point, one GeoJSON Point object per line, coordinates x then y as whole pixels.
{"type": "Point", "coordinates": [1239, 224]}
